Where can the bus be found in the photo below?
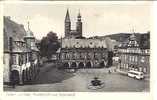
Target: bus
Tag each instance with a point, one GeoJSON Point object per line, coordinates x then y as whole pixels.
{"type": "Point", "coordinates": [135, 74]}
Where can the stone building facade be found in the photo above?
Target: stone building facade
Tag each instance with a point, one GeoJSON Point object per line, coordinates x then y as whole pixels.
{"type": "Point", "coordinates": [83, 53]}
{"type": "Point", "coordinates": [21, 55]}
{"type": "Point", "coordinates": [79, 52]}
{"type": "Point", "coordinates": [134, 54]}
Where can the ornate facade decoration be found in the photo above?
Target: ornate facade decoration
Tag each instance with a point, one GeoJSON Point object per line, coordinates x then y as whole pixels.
{"type": "Point", "coordinates": [135, 54]}
{"type": "Point", "coordinates": [77, 52]}
{"type": "Point", "coordinates": [21, 55]}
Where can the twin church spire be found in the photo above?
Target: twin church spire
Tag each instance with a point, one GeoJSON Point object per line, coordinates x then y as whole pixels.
{"type": "Point", "coordinates": [69, 33]}
{"type": "Point", "coordinates": [67, 17]}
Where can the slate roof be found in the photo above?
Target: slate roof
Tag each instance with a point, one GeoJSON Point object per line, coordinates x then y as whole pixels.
{"type": "Point", "coordinates": [143, 40]}
{"type": "Point", "coordinates": [14, 30]}
{"type": "Point", "coordinates": [18, 33]}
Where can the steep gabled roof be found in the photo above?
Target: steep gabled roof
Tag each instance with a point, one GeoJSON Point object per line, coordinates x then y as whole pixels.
{"type": "Point", "coordinates": [12, 29]}
{"type": "Point", "coordinates": [143, 41]}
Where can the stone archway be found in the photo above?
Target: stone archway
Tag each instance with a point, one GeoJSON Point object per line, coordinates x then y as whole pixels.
{"type": "Point", "coordinates": [73, 65]}
{"type": "Point", "coordinates": [102, 64]}
{"type": "Point", "coordinates": [15, 77]}
{"type": "Point", "coordinates": [66, 65]}
{"type": "Point", "coordinates": [88, 65]}
{"type": "Point", "coordinates": [81, 65]}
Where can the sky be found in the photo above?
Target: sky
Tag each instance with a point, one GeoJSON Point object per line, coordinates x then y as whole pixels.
{"type": "Point", "coordinates": [99, 18]}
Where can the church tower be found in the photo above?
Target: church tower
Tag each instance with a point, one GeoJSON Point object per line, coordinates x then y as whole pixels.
{"type": "Point", "coordinates": [79, 25]}
{"type": "Point", "coordinates": [67, 24]}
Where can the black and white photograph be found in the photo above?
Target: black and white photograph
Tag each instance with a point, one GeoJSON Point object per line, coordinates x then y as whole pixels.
{"type": "Point", "coordinates": [76, 47]}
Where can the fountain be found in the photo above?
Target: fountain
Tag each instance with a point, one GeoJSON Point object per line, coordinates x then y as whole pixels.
{"type": "Point", "coordinates": [96, 83]}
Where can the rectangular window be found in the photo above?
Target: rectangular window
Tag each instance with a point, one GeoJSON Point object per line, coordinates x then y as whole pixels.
{"type": "Point", "coordinates": [24, 58]}
{"type": "Point", "coordinates": [62, 56]}
{"type": "Point", "coordinates": [135, 58]}
{"type": "Point", "coordinates": [130, 58]}
{"type": "Point", "coordinates": [125, 57]}
{"type": "Point", "coordinates": [14, 62]}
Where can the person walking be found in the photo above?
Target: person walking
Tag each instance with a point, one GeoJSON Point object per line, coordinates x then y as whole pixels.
{"type": "Point", "coordinates": [109, 71]}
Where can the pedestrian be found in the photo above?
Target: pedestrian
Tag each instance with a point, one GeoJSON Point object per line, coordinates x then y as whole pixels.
{"type": "Point", "coordinates": [109, 71]}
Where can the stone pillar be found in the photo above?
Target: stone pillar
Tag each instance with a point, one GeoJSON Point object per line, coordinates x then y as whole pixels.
{"type": "Point", "coordinates": [20, 77]}
{"type": "Point", "coordinates": [30, 73]}
{"type": "Point", "coordinates": [24, 76]}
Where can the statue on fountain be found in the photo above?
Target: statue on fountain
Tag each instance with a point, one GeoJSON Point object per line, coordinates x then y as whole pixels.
{"type": "Point", "coordinates": [96, 83]}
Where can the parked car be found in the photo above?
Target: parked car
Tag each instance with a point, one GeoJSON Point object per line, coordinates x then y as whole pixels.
{"type": "Point", "coordinates": [135, 74]}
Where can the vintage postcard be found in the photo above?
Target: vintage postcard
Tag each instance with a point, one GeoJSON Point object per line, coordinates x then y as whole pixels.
{"type": "Point", "coordinates": [71, 47]}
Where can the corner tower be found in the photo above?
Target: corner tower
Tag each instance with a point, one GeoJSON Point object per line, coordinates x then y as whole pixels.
{"type": "Point", "coordinates": [29, 38]}
{"type": "Point", "coordinates": [67, 24]}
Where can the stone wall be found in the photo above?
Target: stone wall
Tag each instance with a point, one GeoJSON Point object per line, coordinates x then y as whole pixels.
{"type": "Point", "coordinates": [6, 70]}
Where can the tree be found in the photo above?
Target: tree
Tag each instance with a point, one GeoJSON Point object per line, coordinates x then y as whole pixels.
{"type": "Point", "coordinates": [110, 55]}
{"type": "Point", "coordinates": [49, 45]}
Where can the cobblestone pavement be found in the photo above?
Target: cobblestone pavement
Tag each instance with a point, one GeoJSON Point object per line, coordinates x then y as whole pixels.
{"type": "Point", "coordinates": [52, 80]}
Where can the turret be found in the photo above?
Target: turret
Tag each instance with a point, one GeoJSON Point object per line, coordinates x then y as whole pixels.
{"type": "Point", "coordinates": [29, 38]}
